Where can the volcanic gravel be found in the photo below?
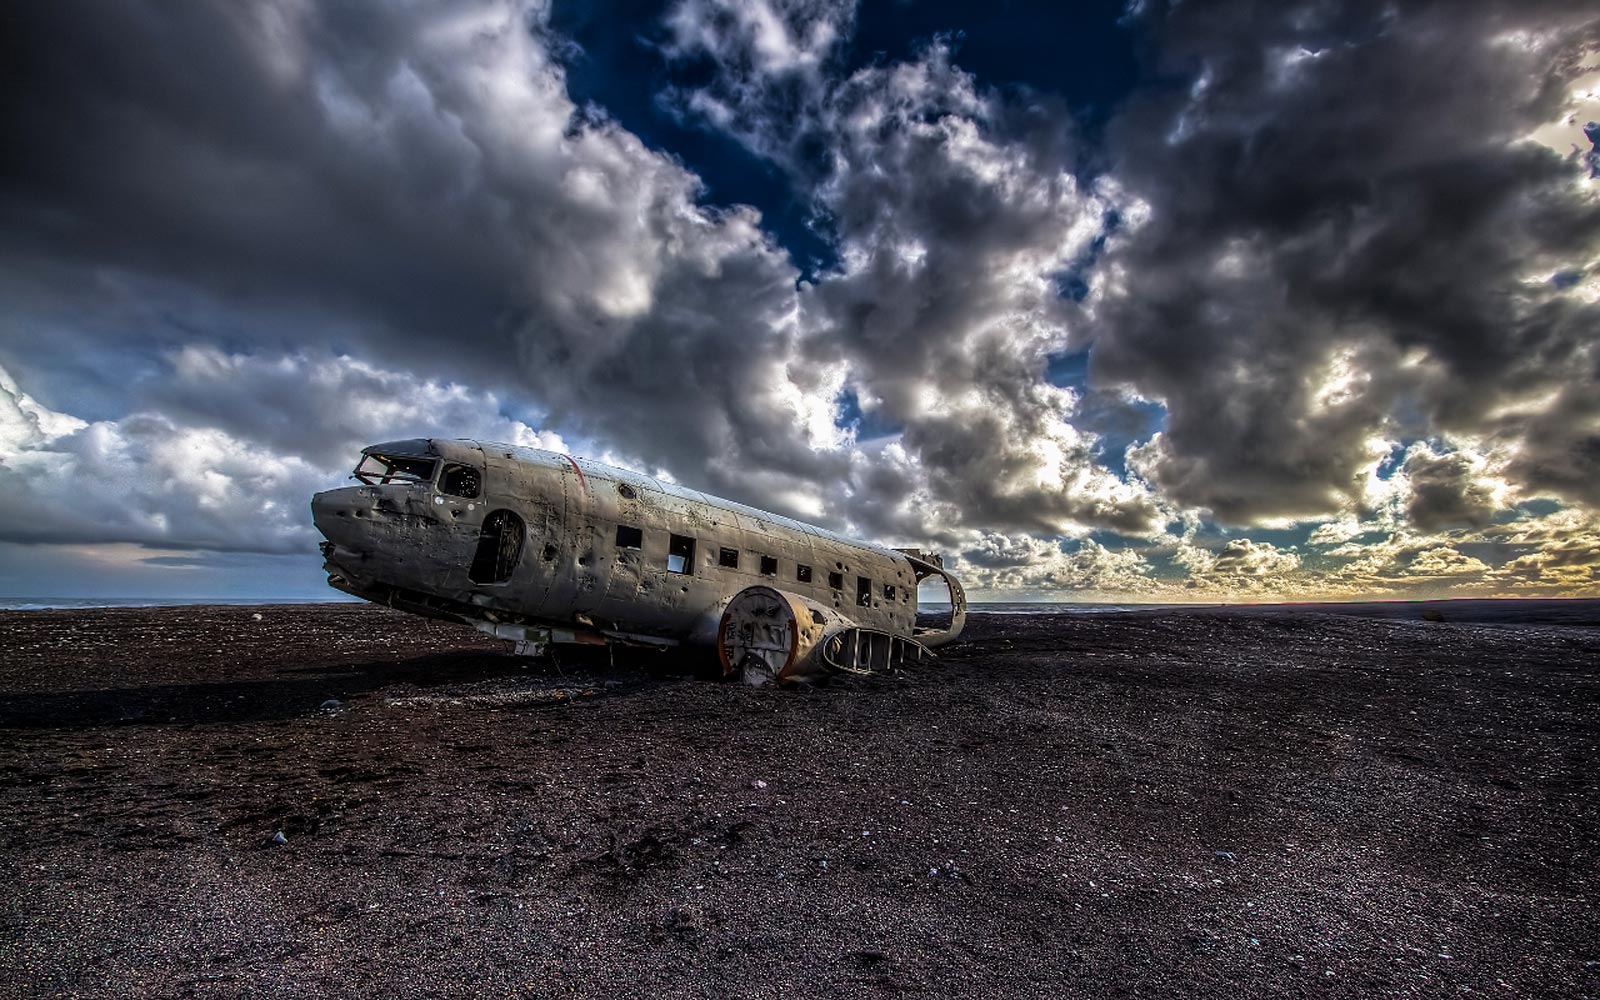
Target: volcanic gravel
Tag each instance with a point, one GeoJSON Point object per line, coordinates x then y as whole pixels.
{"type": "Point", "coordinates": [1150, 804]}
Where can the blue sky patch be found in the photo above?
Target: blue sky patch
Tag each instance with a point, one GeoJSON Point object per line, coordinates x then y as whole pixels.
{"type": "Point", "coordinates": [867, 425]}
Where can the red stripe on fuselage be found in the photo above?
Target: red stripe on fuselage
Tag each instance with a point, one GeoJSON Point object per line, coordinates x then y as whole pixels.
{"type": "Point", "coordinates": [581, 481]}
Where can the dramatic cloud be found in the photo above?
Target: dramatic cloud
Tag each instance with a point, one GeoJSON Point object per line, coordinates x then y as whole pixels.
{"type": "Point", "coordinates": [1556, 554]}
{"type": "Point", "coordinates": [955, 213]}
{"type": "Point", "coordinates": [1023, 565]}
{"type": "Point", "coordinates": [1448, 490]}
{"type": "Point", "coordinates": [1312, 312]}
{"type": "Point", "coordinates": [1336, 237]}
{"type": "Point", "coordinates": [757, 39]}
{"type": "Point", "coordinates": [1239, 566]}
{"type": "Point", "coordinates": [228, 458]}
{"type": "Point", "coordinates": [416, 181]}
{"type": "Point", "coordinates": [143, 479]}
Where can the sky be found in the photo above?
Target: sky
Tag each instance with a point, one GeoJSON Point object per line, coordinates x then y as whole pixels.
{"type": "Point", "coordinates": [1247, 300]}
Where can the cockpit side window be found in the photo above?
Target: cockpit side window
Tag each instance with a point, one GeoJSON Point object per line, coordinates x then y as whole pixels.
{"type": "Point", "coordinates": [461, 481]}
{"type": "Point", "coordinates": [381, 470]}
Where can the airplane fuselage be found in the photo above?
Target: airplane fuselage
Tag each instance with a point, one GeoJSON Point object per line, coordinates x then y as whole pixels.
{"type": "Point", "coordinates": [502, 537]}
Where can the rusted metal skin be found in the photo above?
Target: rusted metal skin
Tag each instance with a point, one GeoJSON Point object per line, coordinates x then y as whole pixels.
{"type": "Point", "coordinates": [934, 638]}
{"type": "Point", "coordinates": [502, 536]}
{"type": "Point", "coordinates": [766, 634]}
{"type": "Point", "coordinates": [866, 650]}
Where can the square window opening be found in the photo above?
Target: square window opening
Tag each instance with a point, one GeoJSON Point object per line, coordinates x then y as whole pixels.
{"type": "Point", "coordinates": [629, 538]}
{"type": "Point", "coordinates": [728, 558]}
{"type": "Point", "coordinates": [769, 566]}
{"type": "Point", "coordinates": [461, 481]}
{"type": "Point", "coordinates": [888, 591]}
{"type": "Point", "coordinates": [803, 574]}
{"type": "Point", "coordinates": [863, 592]}
{"type": "Point", "coordinates": [836, 581]}
{"type": "Point", "coordinates": [680, 554]}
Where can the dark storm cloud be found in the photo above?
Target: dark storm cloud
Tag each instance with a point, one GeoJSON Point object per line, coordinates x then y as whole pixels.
{"type": "Point", "coordinates": [1447, 491]}
{"type": "Point", "coordinates": [407, 182]}
{"type": "Point", "coordinates": [1338, 234]}
{"type": "Point", "coordinates": [1558, 444]}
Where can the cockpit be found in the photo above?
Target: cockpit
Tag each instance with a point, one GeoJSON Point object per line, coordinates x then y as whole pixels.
{"type": "Point", "coordinates": [381, 470]}
{"type": "Point", "coordinates": [413, 462]}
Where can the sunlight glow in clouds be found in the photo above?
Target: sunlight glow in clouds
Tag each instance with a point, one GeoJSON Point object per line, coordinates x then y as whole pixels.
{"type": "Point", "coordinates": [1366, 327]}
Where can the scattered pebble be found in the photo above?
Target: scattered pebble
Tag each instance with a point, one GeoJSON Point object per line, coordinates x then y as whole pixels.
{"type": "Point", "coordinates": [603, 858]}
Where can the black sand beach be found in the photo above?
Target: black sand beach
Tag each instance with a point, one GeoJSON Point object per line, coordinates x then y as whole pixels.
{"type": "Point", "coordinates": [1214, 803]}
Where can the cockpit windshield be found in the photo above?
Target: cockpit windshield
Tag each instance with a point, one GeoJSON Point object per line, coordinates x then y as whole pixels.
{"type": "Point", "coordinates": [380, 470]}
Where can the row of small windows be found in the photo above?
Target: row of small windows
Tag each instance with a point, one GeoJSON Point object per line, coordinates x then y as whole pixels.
{"type": "Point", "coordinates": [680, 559]}
{"type": "Point", "coordinates": [769, 564]}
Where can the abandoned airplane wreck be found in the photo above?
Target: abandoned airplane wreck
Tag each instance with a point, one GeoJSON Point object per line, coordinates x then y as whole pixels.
{"type": "Point", "coordinates": [537, 548]}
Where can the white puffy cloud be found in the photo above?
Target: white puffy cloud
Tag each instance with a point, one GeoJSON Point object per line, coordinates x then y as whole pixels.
{"type": "Point", "coordinates": [1022, 565]}
{"type": "Point", "coordinates": [143, 479]}
{"type": "Point", "coordinates": [230, 462]}
{"type": "Point", "coordinates": [325, 408]}
{"type": "Point", "coordinates": [1238, 566]}
{"type": "Point", "coordinates": [761, 37]}
{"type": "Point", "coordinates": [1555, 553]}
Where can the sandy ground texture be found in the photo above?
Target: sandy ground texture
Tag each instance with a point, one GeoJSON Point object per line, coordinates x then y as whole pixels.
{"type": "Point", "coordinates": [1155, 804]}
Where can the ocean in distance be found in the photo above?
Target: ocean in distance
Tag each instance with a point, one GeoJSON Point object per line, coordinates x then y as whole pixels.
{"type": "Point", "coordinates": [48, 603]}
{"type": "Point", "coordinates": [1033, 607]}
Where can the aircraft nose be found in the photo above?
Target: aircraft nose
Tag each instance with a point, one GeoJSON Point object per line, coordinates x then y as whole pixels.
{"type": "Point", "coordinates": [343, 515]}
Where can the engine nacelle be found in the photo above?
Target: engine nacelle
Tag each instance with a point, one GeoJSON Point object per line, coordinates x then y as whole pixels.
{"type": "Point", "coordinates": [768, 634]}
